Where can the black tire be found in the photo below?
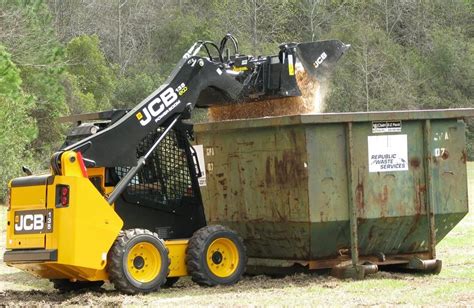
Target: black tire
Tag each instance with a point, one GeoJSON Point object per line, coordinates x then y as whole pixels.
{"type": "Point", "coordinates": [170, 281]}
{"type": "Point", "coordinates": [124, 275]}
{"type": "Point", "coordinates": [202, 270]}
{"type": "Point", "coordinates": [65, 285]}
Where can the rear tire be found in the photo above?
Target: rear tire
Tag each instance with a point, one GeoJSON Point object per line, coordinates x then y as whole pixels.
{"type": "Point", "coordinates": [65, 285]}
{"type": "Point", "coordinates": [138, 262]}
{"type": "Point", "coordinates": [216, 256]}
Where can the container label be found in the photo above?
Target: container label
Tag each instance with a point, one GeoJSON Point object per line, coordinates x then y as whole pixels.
{"type": "Point", "coordinates": [388, 153]}
{"type": "Point", "coordinates": [202, 165]}
{"type": "Point", "coordinates": [386, 127]}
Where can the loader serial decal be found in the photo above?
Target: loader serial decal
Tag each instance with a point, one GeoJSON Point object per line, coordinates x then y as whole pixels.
{"type": "Point", "coordinates": [161, 105]}
{"type": "Point", "coordinates": [34, 221]}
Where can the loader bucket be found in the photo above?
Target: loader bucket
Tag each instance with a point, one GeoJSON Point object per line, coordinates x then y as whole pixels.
{"type": "Point", "coordinates": [319, 58]}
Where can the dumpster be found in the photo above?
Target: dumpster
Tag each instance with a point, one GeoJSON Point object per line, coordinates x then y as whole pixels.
{"type": "Point", "coordinates": [346, 191]}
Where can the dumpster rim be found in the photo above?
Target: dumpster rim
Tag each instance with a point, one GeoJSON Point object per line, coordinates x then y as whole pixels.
{"type": "Point", "coordinates": [326, 118]}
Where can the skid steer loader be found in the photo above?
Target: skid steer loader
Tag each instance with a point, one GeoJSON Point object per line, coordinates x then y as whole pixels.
{"type": "Point", "coordinates": [122, 200]}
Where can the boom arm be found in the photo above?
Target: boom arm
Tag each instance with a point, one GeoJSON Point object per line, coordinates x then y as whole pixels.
{"type": "Point", "coordinates": [207, 81]}
{"type": "Point", "coordinates": [115, 145]}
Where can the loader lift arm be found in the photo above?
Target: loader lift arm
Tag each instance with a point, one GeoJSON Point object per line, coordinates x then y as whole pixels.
{"type": "Point", "coordinates": [203, 81]}
{"type": "Point", "coordinates": [115, 145]}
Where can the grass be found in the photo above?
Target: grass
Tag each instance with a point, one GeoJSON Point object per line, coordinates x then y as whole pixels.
{"type": "Point", "coordinates": [454, 286]}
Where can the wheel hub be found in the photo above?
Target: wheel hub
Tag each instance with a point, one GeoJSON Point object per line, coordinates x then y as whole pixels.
{"type": "Point", "coordinates": [217, 257]}
{"type": "Point", "coordinates": [138, 262]}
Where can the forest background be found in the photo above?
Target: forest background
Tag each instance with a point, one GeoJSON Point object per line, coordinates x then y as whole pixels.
{"type": "Point", "coordinates": [61, 57]}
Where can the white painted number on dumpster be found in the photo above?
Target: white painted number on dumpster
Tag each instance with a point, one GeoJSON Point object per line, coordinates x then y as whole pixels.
{"type": "Point", "coordinates": [388, 153]}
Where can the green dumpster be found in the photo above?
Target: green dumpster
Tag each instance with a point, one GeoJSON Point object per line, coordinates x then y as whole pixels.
{"type": "Point", "coordinates": [349, 191]}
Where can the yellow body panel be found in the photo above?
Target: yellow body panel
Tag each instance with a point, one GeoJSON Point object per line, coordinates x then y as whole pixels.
{"type": "Point", "coordinates": [96, 172]}
{"type": "Point", "coordinates": [82, 233]}
{"type": "Point", "coordinates": [177, 255]}
{"type": "Point", "coordinates": [25, 198]}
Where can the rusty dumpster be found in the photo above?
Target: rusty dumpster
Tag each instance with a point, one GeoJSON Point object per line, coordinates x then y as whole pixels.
{"type": "Point", "coordinates": [346, 191]}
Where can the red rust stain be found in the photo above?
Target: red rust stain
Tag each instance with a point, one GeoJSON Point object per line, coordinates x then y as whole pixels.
{"type": "Point", "coordinates": [287, 170]}
{"type": "Point", "coordinates": [419, 191]}
{"type": "Point", "coordinates": [464, 156]}
{"type": "Point", "coordinates": [360, 197]}
{"type": "Point", "coordinates": [371, 233]}
{"type": "Point", "coordinates": [415, 162]}
{"type": "Point", "coordinates": [250, 143]}
{"type": "Point", "coordinates": [384, 198]}
{"type": "Point", "coordinates": [293, 136]}
{"type": "Point", "coordinates": [268, 171]}
{"type": "Point", "coordinates": [445, 155]}
{"type": "Point", "coordinates": [290, 169]}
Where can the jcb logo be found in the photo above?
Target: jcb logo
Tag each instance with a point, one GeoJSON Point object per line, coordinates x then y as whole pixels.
{"type": "Point", "coordinates": [29, 222]}
{"type": "Point", "coordinates": [320, 60]}
{"type": "Point", "coordinates": [158, 107]}
{"type": "Point", "coordinates": [37, 221]}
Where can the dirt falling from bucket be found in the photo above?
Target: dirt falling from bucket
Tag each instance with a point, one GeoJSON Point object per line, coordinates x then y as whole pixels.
{"type": "Point", "coordinates": [310, 101]}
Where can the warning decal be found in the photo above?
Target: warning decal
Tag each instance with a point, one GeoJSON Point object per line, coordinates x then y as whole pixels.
{"type": "Point", "coordinates": [202, 166]}
{"type": "Point", "coordinates": [386, 127]}
{"type": "Point", "coordinates": [388, 153]}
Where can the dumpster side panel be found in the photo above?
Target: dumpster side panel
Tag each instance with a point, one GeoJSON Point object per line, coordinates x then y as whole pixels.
{"type": "Point", "coordinates": [449, 174]}
{"type": "Point", "coordinates": [392, 206]}
{"type": "Point", "coordinates": [257, 185]}
{"type": "Point", "coordinates": [327, 182]}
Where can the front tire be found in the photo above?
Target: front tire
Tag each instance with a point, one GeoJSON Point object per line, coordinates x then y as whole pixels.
{"type": "Point", "coordinates": [138, 262]}
{"type": "Point", "coordinates": [216, 256]}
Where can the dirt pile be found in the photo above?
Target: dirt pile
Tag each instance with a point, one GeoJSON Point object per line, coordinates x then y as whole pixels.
{"type": "Point", "coordinates": [311, 101]}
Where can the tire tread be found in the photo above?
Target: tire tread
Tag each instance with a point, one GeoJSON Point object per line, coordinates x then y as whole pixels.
{"type": "Point", "coordinates": [114, 262]}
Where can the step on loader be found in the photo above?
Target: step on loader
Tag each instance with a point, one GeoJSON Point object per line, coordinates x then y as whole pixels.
{"type": "Point", "coordinates": [122, 201]}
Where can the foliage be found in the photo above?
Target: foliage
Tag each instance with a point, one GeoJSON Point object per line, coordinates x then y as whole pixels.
{"type": "Point", "coordinates": [17, 128]}
{"type": "Point", "coordinates": [79, 56]}
{"type": "Point", "coordinates": [91, 78]}
{"type": "Point", "coordinates": [132, 90]}
{"type": "Point", "coordinates": [26, 31]}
